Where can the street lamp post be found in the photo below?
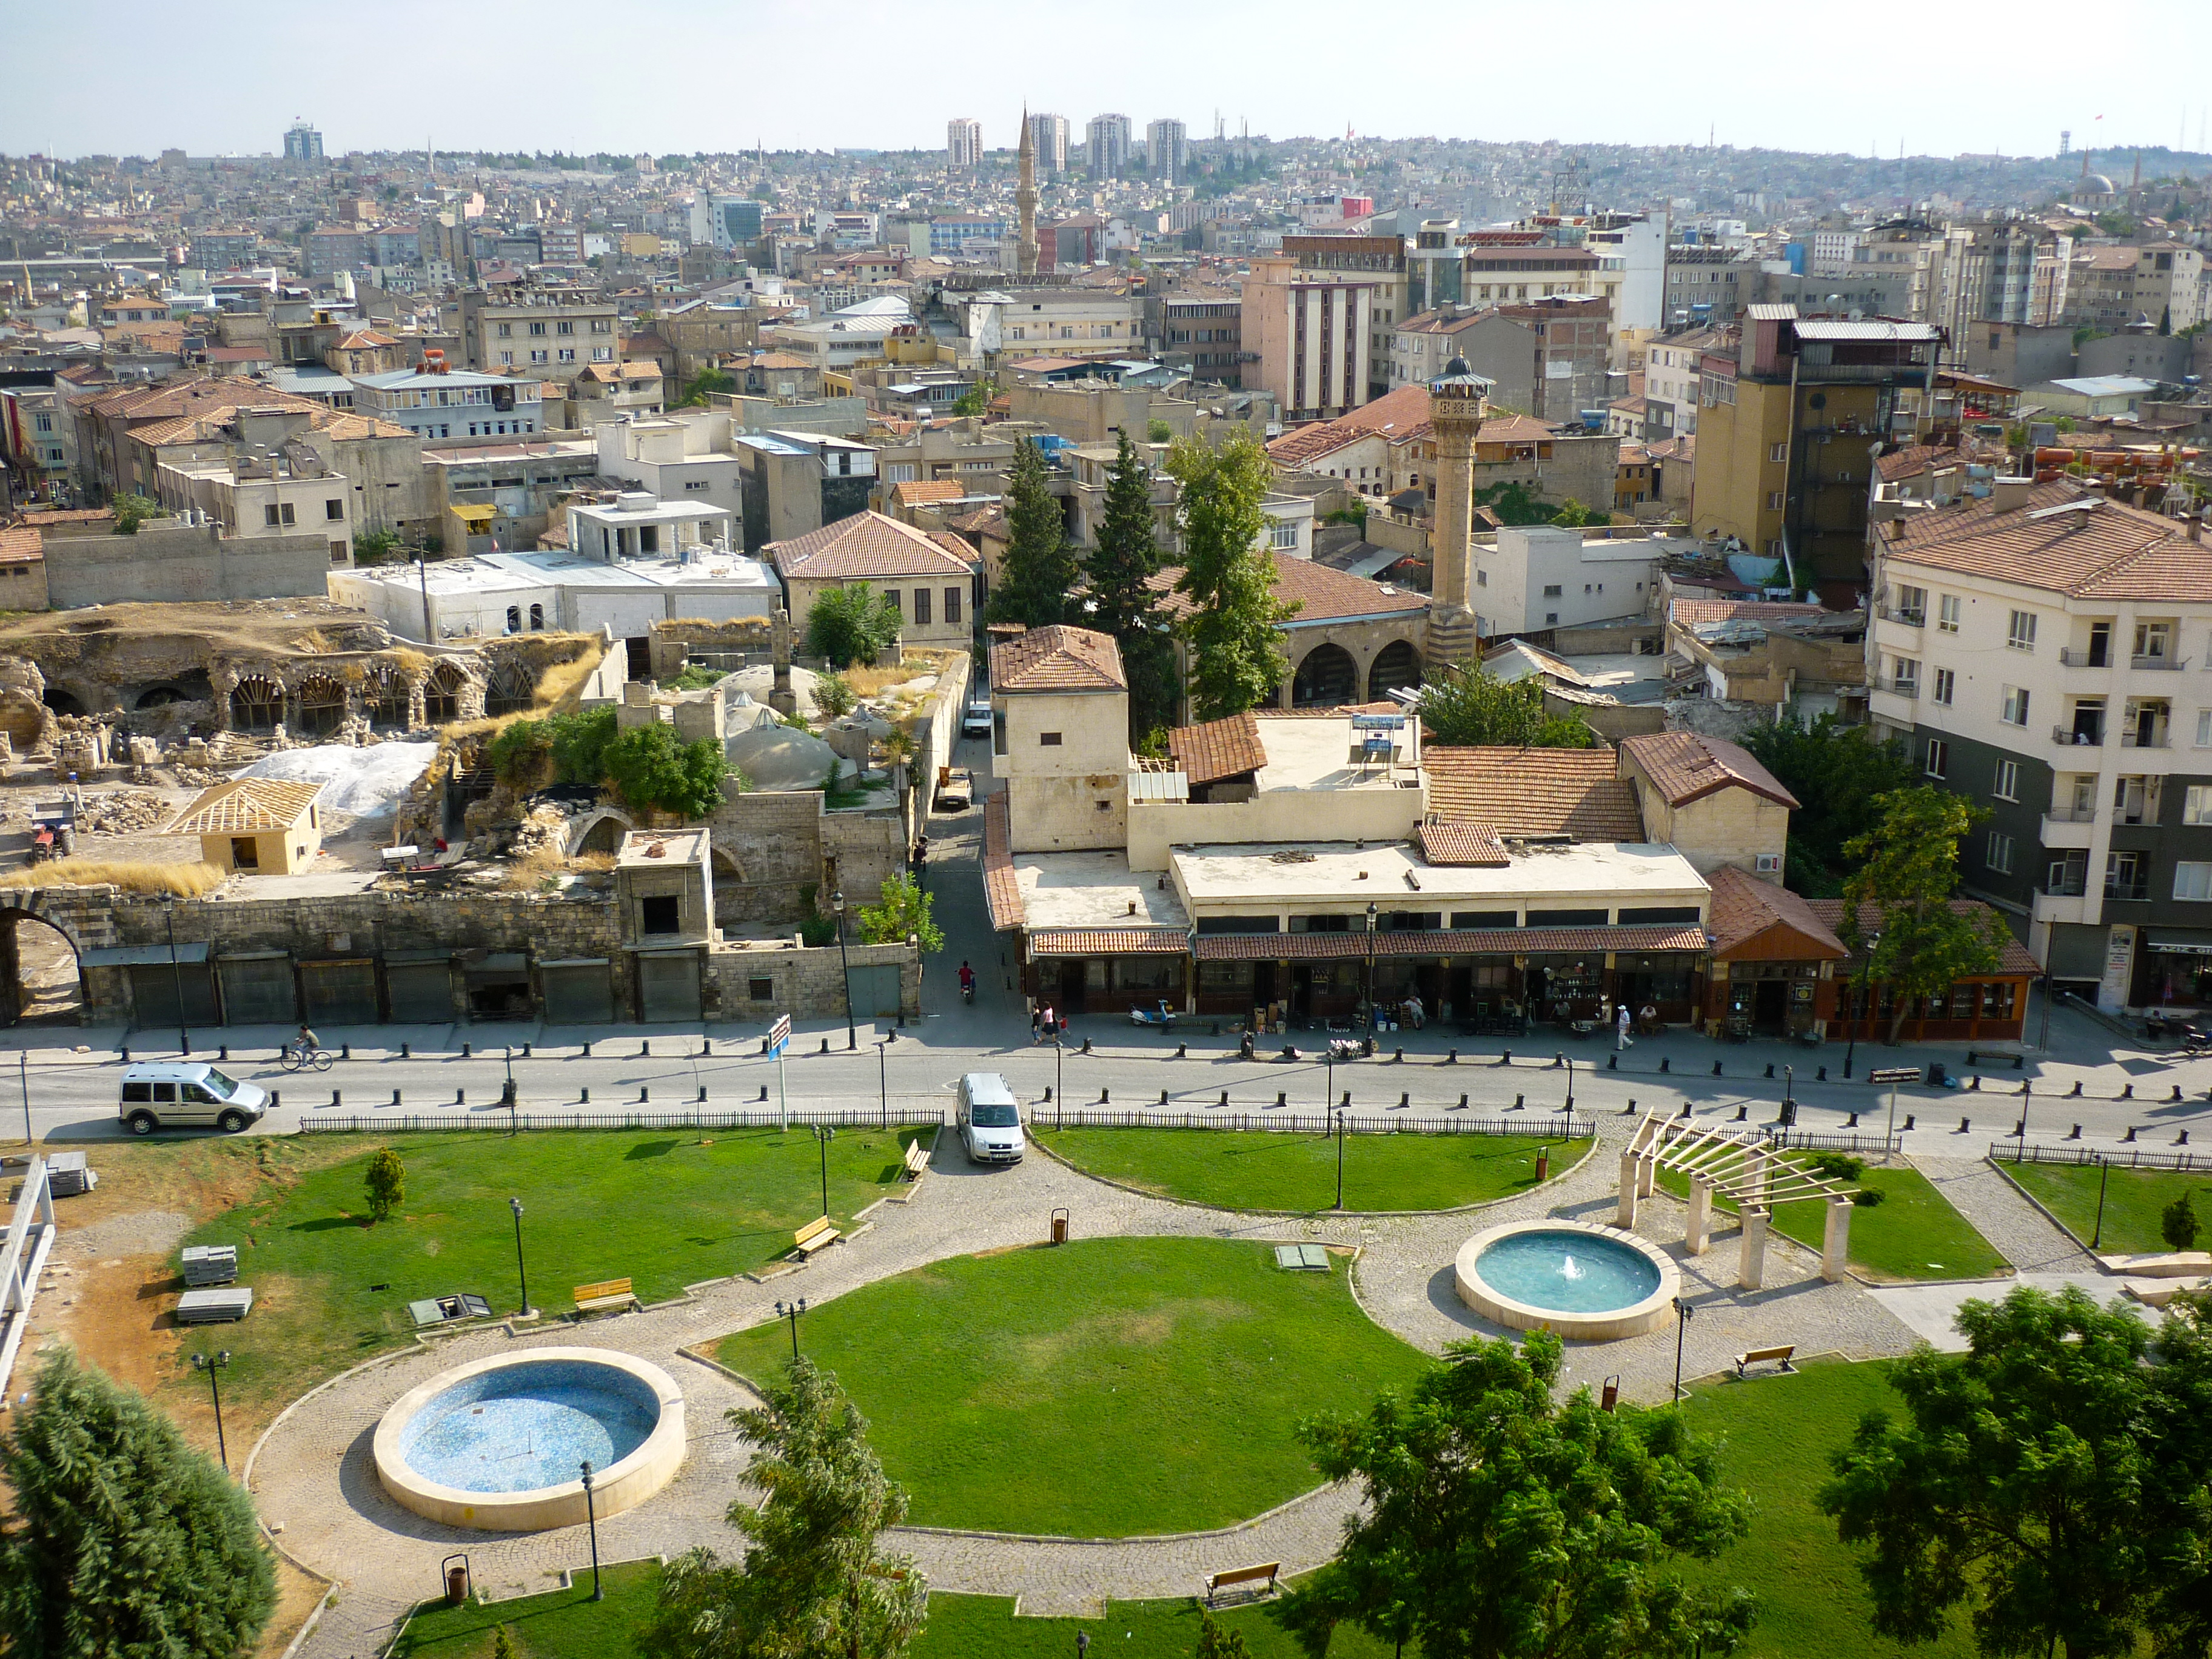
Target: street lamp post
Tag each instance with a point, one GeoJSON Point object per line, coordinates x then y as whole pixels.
{"type": "Point", "coordinates": [1059, 1070]}
{"type": "Point", "coordinates": [1569, 1108]}
{"type": "Point", "coordinates": [1683, 1313]}
{"type": "Point", "coordinates": [2027, 1093]}
{"type": "Point", "coordinates": [23, 1076]}
{"type": "Point", "coordinates": [592, 1520]}
{"type": "Point", "coordinates": [177, 976]}
{"type": "Point", "coordinates": [791, 1310]}
{"type": "Point", "coordinates": [845, 967]}
{"type": "Point", "coordinates": [1339, 1158]}
{"type": "Point", "coordinates": [883, 1082]}
{"type": "Point", "coordinates": [1370, 968]}
{"type": "Point", "coordinates": [422, 572]}
{"type": "Point", "coordinates": [514, 1109]}
{"type": "Point", "coordinates": [212, 1363]}
{"type": "Point", "coordinates": [824, 1135]}
{"type": "Point", "coordinates": [521, 1272]}
{"type": "Point", "coordinates": [2103, 1174]}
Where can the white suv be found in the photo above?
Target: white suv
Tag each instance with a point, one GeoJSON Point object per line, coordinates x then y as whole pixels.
{"type": "Point", "coordinates": [990, 1119]}
{"type": "Point", "coordinates": [976, 720]}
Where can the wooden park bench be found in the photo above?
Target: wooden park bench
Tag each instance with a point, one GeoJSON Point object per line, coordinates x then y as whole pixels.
{"type": "Point", "coordinates": [607, 1293]}
{"type": "Point", "coordinates": [816, 1234]}
{"type": "Point", "coordinates": [1780, 1355]}
{"type": "Point", "coordinates": [1218, 1582]}
{"type": "Point", "coordinates": [917, 1160]}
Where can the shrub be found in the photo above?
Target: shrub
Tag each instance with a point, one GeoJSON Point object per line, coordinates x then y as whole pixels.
{"type": "Point", "coordinates": [834, 697]}
{"type": "Point", "coordinates": [851, 624]}
{"type": "Point", "coordinates": [375, 546]}
{"type": "Point", "coordinates": [2177, 1224]}
{"type": "Point", "coordinates": [654, 770]}
{"type": "Point", "coordinates": [1868, 1196]}
{"type": "Point", "coordinates": [386, 1180]}
{"type": "Point", "coordinates": [1838, 1166]}
{"type": "Point", "coordinates": [131, 511]}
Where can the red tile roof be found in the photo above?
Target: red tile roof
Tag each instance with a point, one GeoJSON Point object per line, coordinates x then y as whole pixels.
{"type": "Point", "coordinates": [1218, 749]}
{"type": "Point", "coordinates": [1001, 890]}
{"type": "Point", "coordinates": [1464, 844]}
{"type": "Point", "coordinates": [863, 547]}
{"type": "Point", "coordinates": [1320, 593]}
{"type": "Point", "coordinates": [1688, 611]}
{"type": "Point", "coordinates": [1110, 942]}
{"type": "Point", "coordinates": [1743, 907]}
{"type": "Point", "coordinates": [1684, 766]}
{"type": "Point", "coordinates": [2099, 549]}
{"type": "Point", "coordinates": [21, 545]}
{"type": "Point", "coordinates": [908, 491]}
{"type": "Point", "coordinates": [1448, 941]}
{"type": "Point", "coordinates": [1057, 658]}
{"type": "Point", "coordinates": [1532, 791]}
{"type": "Point", "coordinates": [2012, 956]}
{"type": "Point", "coordinates": [1397, 416]}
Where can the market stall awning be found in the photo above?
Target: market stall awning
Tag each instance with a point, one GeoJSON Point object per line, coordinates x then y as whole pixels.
{"type": "Point", "coordinates": [1110, 942]}
{"type": "Point", "coordinates": [1449, 942]}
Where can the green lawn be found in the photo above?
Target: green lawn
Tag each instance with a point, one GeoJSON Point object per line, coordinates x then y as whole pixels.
{"type": "Point", "coordinates": [2134, 1200]}
{"type": "Point", "coordinates": [565, 1625]}
{"type": "Point", "coordinates": [663, 1209]}
{"type": "Point", "coordinates": [1913, 1233]}
{"type": "Point", "coordinates": [1777, 1434]}
{"type": "Point", "coordinates": [562, 1625]}
{"type": "Point", "coordinates": [1255, 1170]}
{"type": "Point", "coordinates": [1107, 1387]}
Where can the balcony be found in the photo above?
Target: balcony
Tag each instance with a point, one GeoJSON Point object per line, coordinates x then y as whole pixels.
{"type": "Point", "coordinates": [2167, 664]}
{"type": "Point", "coordinates": [2159, 738]}
{"type": "Point", "coordinates": [2068, 828]}
{"type": "Point", "coordinates": [2075, 656]}
{"type": "Point", "coordinates": [1901, 688]}
{"type": "Point", "coordinates": [2059, 905]}
{"type": "Point", "coordinates": [1910, 618]}
{"type": "Point", "coordinates": [2067, 737]}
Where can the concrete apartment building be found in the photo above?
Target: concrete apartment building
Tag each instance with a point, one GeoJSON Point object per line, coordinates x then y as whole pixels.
{"type": "Point", "coordinates": [1531, 579]}
{"type": "Point", "coordinates": [1049, 139]}
{"type": "Point", "coordinates": [435, 402]}
{"type": "Point", "coordinates": [1378, 259]}
{"type": "Point", "coordinates": [1167, 150]}
{"type": "Point", "coordinates": [1421, 345]}
{"type": "Point", "coordinates": [1310, 335]}
{"type": "Point", "coordinates": [964, 142]}
{"type": "Point", "coordinates": [2163, 284]}
{"type": "Point", "coordinates": [1707, 285]}
{"type": "Point", "coordinates": [1545, 357]}
{"type": "Point", "coordinates": [1107, 143]}
{"type": "Point", "coordinates": [283, 492]}
{"type": "Point", "coordinates": [1787, 420]}
{"type": "Point", "coordinates": [1534, 269]}
{"type": "Point", "coordinates": [1201, 329]}
{"type": "Point", "coordinates": [551, 333]}
{"type": "Point", "coordinates": [2033, 646]}
{"type": "Point", "coordinates": [1670, 382]}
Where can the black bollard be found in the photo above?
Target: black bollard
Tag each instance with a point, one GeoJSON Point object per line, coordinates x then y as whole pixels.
{"type": "Point", "coordinates": [2076, 1093]}
{"type": "Point", "coordinates": [2127, 1091]}
{"type": "Point", "coordinates": [2182, 1140]}
{"type": "Point", "coordinates": [222, 1053]}
{"type": "Point", "coordinates": [1102, 1095]}
{"type": "Point", "coordinates": [465, 1051]}
{"type": "Point", "coordinates": [764, 1048]}
{"type": "Point", "coordinates": [2176, 1095]}
{"type": "Point", "coordinates": [395, 1096]}
{"type": "Point", "coordinates": [1520, 1102]}
{"type": "Point", "coordinates": [1504, 1056]}
{"type": "Point", "coordinates": [1909, 1121]}
{"type": "Point", "coordinates": [825, 1045]}
{"type": "Point", "coordinates": [2074, 1134]}
{"type": "Point", "coordinates": [1663, 1064]}
{"type": "Point", "coordinates": [1824, 1074]}
{"type": "Point", "coordinates": [763, 1094]}
{"type": "Point", "coordinates": [1716, 1068]}
{"type": "Point", "coordinates": [1404, 1100]}
{"type": "Point", "coordinates": [460, 1097]}
{"type": "Point", "coordinates": [1281, 1098]}
{"type": "Point", "coordinates": [1559, 1059]}
{"type": "Point", "coordinates": [1685, 1112]}
{"type": "Point", "coordinates": [2019, 1131]}
{"type": "Point", "coordinates": [1974, 1082]}
{"type": "Point", "coordinates": [335, 1098]}
{"type": "Point", "coordinates": [584, 1096]}
{"type": "Point", "coordinates": [1183, 1051]}
{"type": "Point", "coordinates": [1086, 1045]}
{"type": "Point", "coordinates": [404, 1052]}
{"type": "Point", "coordinates": [1224, 1098]}
{"type": "Point", "coordinates": [1770, 1071]}
{"type": "Point", "coordinates": [1048, 1091]}
{"type": "Point", "coordinates": [1164, 1097]}
{"type": "Point", "coordinates": [2019, 1062]}
{"type": "Point", "coordinates": [275, 1099]}
{"type": "Point", "coordinates": [1966, 1126]}
{"type": "Point", "coordinates": [703, 1094]}
{"type": "Point", "coordinates": [345, 1051]}
{"type": "Point", "coordinates": [1613, 1062]}
{"type": "Point", "coordinates": [1629, 1110]}
{"type": "Point", "coordinates": [1854, 1122]}
{"type": "Point", "coordinates": [1743, 1114]}
{"type": "Point", "coordinates": [2130, 1134]}
{"type": "Point", "coordinates": [1346, 1102]}
{"type": "Point", "coordinates": [588, 1050]}
{"type": "Point", "coordinates": [1462, 1106]}
{"type": "Point", "coordinates": [1451, 1056]}
{"type": "Point", "coordinates": [644, 1094]}
{"type": "Point", "coordinates": [525, 1052]}
{"type": "Point", "coordinates": [645, 1050]}
{"type": "Point", "coordinates": [1398, 1055]}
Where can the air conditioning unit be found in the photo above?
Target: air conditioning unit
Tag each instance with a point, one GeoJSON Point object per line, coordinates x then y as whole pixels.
{"type": "Point", "coordinates": [1770, 864]}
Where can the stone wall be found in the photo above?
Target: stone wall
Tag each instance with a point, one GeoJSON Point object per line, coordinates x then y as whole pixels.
{"type": "Point", "coordinates": [800, 982]}
{"type": "Point", "coordinates": [184, 564]}
{"type": "Point", "coordinates": [767, 851]}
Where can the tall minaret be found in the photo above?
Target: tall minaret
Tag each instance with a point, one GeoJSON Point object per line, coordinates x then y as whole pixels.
{"type": "Point", "coordinates": [1455, 412]}
{"type": "Point", "coordinates": [1026, 249]}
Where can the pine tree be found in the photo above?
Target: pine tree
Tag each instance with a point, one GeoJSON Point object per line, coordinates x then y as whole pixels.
{"type": "Point", "coordinates": [1122, 602]}
{"type": "Point", "coordinates": [1037, 576]}
{"type": "Point", "coordinates": [811, 1581]}
{"type": "Point", "coordinates": [124, 1540]}
{"type": "Point", "coordinates": [1237, 661]}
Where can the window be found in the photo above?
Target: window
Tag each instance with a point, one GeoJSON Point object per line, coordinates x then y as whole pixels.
{"type": "Point", "coordinates": [1779, 452]}
{"type": "Point", "coordinates": [2127, 876]}
{"type": "Point", "coordinates": [2196, 804]}
{"type": "Point", "coordinates": [2020, 634]}
{"type": "Point", "coordinates": [2006, 787]}
{"type": "Point", "coordinates": [1049, 740]}
{"type": "Point", "coordinates": [334, 508]}
{"type": "Point", "coordinates": [564, 326]}
{"type": "Point", "coordinates": [952, 604]}
{"type": "Point", "coordinates": [506, 359]}
{"type": "Point", "coordinates": [537, 329]}
{"type": "Point", "coordinates": [1998, 854]}
{"type": "Point", "coordinates": [2192, 881]}
{"type": "Point", "coordinates": [514, 619]}
{"type": "Point", "coordinates": [567, 354]}
{"type": "Point", "coordinates": [1947, 684]}
{"type": "Point", "coordinates": [504, 331]}
{"type": "Point", "coordinates": [337, 552]}
{"type": "Point", "coordinates": [922, 607]}
{"type": "Point", "coordinates": [761, 987]}
{"type": "Point", "coordinates": [891, 595]}
{"type": "Point", "coordinates": [1905, 675]}
{"type": "Point", "coordinates": [1939, 758]}
{"type": "Point", "coordinates": [268, 513]}
{"type": "Point", "coordinates": [537, 618]}
{"type": "Point", "coordinates": [1282, 534]}
{"type": "Point", "coordinates": [1482, 579]}
{"type": "Point", "coordinates": [1947, 612]}
{"type": "Point", "coordinates": [1554, 591]}
{"type": "Point", "coordinates": [2015, 706]}
{"type": "Point", "coordinates": [537, 357]}
{"type": "Point", "coordinates": [1773, 501]}
{"type": "Point", "coordinates": [660, 913]}
{"type": "Point", "coordinates": [2204, 728]}
{"type": "Point", "coordinates": [1913, 604]}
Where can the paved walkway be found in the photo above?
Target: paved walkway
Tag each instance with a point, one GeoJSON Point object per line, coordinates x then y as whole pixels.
{"type": "Point", "coordinates": [2022, 1234]}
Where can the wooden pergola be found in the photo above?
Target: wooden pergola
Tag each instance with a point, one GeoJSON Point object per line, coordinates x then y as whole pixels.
{"type": "Point", "coordinates": [1741, 1164]}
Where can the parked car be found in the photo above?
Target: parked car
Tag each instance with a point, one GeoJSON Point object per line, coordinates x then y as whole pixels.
{"type": "Point", "coordinates": [955, 791]}
{"type": "Point", "coordinates": [975, 721]}
{"type": "Point", "coordinates": [187, 1095]}
{"type": "Point", "coordinates": [990, 1119]}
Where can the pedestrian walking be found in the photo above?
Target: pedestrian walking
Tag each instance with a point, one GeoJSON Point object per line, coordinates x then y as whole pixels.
{"type": "Point", "coordinates": [1036, 1022]}
{"type": "Point", "coordinates": [1051, 1025]}
{"type": "Point", "coordinates": [1620, 1023]}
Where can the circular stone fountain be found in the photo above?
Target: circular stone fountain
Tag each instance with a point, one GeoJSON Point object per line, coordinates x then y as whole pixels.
{"type": "Point", "coordinates": [499, 1443]}
{"type": "Point", "coordinates": [1567, 1277]}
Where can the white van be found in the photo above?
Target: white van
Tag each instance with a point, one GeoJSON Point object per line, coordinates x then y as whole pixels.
{"type": "Point", "coordinates": [181, 1094]}
{"type": "Point", "coordinates": [990, 1119]}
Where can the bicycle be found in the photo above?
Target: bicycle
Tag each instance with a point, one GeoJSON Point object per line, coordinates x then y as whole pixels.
{"type": "Point", "coordinates": [296, 1058]}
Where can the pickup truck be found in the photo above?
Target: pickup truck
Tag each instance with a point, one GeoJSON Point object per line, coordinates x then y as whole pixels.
{"type": "Point", "coordinates": [956, 790]}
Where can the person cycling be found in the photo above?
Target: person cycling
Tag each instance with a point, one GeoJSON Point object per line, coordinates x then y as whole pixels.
{"type": "Point", "coordinates": [967, 981]}
{"type": "Point", "coordinates": [306, 1043]}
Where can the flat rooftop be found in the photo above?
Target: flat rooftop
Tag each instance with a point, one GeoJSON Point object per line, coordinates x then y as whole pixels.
{"type": "Point", "coordinates": [497, 573]}
{"type": "Point", "coordinates": [1093, 890]}
{"type": "Point", "coordinates": [1305, 753]}
{"type": "Point", "coordinates": [1278, 875]}
{"type": "Point", "coordinates": [661, 849]}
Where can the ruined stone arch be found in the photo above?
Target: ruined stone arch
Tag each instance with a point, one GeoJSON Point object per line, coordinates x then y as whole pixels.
{"type": "Point", "coordinates": [449, 693]}
{"type": "Point", "coordinates": [321, 704]}
{"type": "Point", "coordinates": [390, 697]}
{"type": "Point", "coordinates": [598, 832]}
{"type": "Point", "coordinates": [509, 689]}
{"type": "Point", "coordinates": [255, 702]}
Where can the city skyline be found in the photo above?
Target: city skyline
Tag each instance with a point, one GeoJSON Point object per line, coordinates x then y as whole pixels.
{"type": "Point", "coordinates": [1485, 78]}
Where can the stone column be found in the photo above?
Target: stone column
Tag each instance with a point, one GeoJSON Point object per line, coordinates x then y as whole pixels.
{"type": "Point", "coordinates": [1647, 1175]}
{"type": "Point", "coordinates": [1699, 1233]}
{"type": "Point", "coordinates": [1836, 1240]}
{"type": "Point", "coordinates": [1751, 1267]}
{"type": "Point", "coordinates": [1755, 1177]}
{"type": "Point", "coordinates": [1630, 1178]}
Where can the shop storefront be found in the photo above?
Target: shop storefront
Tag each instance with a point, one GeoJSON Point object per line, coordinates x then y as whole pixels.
{"type": "Point", "coordinates": [1988, 1007]}
{"type": "Point", "coordinates": [2172, 970]}
{"type": "Point", "coordinates": [1107, 971]}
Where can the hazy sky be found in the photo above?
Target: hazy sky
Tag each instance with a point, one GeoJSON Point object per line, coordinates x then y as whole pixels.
{"type": "Point", "coordinates": [687, 74]}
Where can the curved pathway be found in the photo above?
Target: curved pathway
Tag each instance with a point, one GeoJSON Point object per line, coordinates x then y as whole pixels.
{"type": "Point", "coordinates": [317, 1490]}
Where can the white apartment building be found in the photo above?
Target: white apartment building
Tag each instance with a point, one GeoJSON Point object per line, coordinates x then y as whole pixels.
{"type": "Point", "coordinates": [964, 142]}
{"type": "Point", "coordinates": [1049, 138]}
{"type": "Point", "coordinates": [1533, 579]}
{"type": "Point", "coordinates": [1670, 383]}
{"type": "Point", "coordinates": [1167, 149]}
{"type": "Point", "coordinates": [1108, 144]}
{"type": "Point", "coordinates": [2045, 654]}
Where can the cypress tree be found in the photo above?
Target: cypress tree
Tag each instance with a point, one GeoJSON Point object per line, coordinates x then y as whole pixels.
{"type": "Point", "coordinates": [124, 1540]}
{"type": "Point", "coordinates": [1038, 578]}
{"type": "Point", "coordinates": [1121, 603]}
{"type": "Point", "coordinates": [1237, 659]}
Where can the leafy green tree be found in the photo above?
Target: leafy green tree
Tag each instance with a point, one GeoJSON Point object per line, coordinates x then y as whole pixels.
{"type": "Point", "coordinates": [123, 1541]}
{"type": "Point", "coordinates": [654, 770]}
{"type": "Point", "coordinates": [1220, 1641]}
{"type": "Point", "coordinates": [708, 382]}
{"type": "Point", "coordinates": [1038, 575]}
{"type": "Point", "coordinates": [813, 1582]}
{"type": "Point", "coordinates": [2177, 1224]}
{"type": "Point", "coordinates": [386, 1181]}
{"type": "Point", "coordinates": [905, 910]}
{"type": "Point", "coordinates": [575, 745]}
{"type": "Point", "coordinates": [853, 623]}
{"type": "Point", "coordinates": [133, 510]}
{"type": "Point", "coordinates": [1465, 703]}
{"type": "Point", "coordinates": [1502, 1524]}
{"type": "Point", "coordinates": [1236, 655]}
{"type": "Point", "coordinates": [1514, 502]}
{"type": "Point", "coordinates": [1836, 772]}
{"type": "Point", "coordinates": [976, 399]}
{"type": "Point", "coordinates": [1158, 432]}
{"type": "Point", "coordinates": [375, 546]}
{"type": "Point", "coordinates": [1573, 515]}
{"type": "Point", "coordinates": [1909, 870]}
{"type": "Point", "coordinates": [2014, 1492]}
{"type": "Point", "coordinates": [834, 695]}
{"type": "Point", "coordinates": [1118, 574]}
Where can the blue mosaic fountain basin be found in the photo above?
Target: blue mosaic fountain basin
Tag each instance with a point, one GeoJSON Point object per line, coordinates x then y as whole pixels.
{"type": "Point", "coordinates": [1568, 1271]}
{"type": "Point", "coordinates": [524, 1427]}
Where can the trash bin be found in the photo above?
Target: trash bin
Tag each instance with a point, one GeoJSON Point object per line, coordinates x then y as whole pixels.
{"type": "Point", "coordinates": [1059, 1227]}
{"type": "Point", "coordinates": [456, 1578]}
{"type": "Point", "coordinates": [1544, 1165]}
{"type": "Point", "coordinates": [1937, 1077]}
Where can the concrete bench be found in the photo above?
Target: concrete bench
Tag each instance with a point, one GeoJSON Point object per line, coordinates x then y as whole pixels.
{"type": "Point", "coordinates": [605, 1294]}
{"type": "Point", "coordinates": [816, 1234]}
{"type": "Point", "coordinates": [1780, 1355]}
{"type": "Point", "coordinates": [1218, 1582]}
